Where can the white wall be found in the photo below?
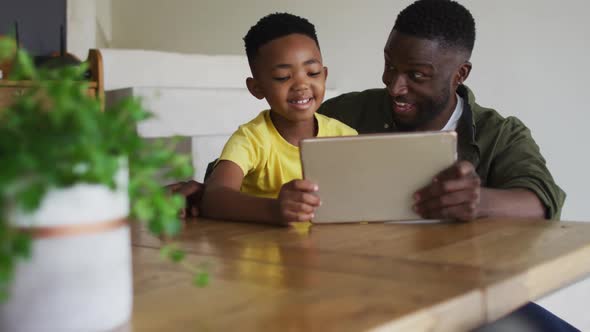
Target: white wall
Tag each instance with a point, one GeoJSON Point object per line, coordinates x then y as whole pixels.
{"type": "Point", "coordinates": [88, 25]}
{"type": "Point", "coordinates": [81, 28]}
{"type": "Point", "coordinates": [529, 58]}
{"type": "Point", "coordinates": [104, 25]}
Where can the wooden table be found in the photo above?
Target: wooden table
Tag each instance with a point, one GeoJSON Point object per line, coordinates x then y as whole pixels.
{"type": "Point", "coordinates": [355, 277]}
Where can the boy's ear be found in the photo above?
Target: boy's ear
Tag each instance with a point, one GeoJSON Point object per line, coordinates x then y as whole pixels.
{"type": "Point", "coordinates": [325, 73]}
{"type": "Point", "coordinates": [254, 87]}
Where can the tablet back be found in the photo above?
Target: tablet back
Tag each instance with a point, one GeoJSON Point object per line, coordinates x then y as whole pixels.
{"type": "Point", "coordinates": [373, 177]}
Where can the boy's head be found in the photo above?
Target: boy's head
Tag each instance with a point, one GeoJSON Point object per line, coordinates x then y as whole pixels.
{"type": "Point", "coordinates": [286, 64]}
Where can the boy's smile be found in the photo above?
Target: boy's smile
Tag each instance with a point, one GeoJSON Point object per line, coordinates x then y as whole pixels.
{"type": "Point", "coordinates": [289, 74]}
{"type": "Point", "coordinates": [301, 104]}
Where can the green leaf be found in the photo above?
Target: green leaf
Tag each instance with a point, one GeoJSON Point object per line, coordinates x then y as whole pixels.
{"type": "Point", "coordinates": [172, 225]}
{"type": "Point", "coordinates": [7, 48]}
{"type": "Point", "coordinates": [6, 268]}
{"type": "Point", "coordinates": [172, 252]}
{"type": "Point", "coordinates": [143, 209]}
{"type": "Point", "coordinates": [22, 245]}
{"type": "Point", "coordinates": [31, 197]}
{"type": "Point", "coordinates": [155, 226]}
{"type": "Point", "coordinates": [176, 255]}
{"type": "Point", "coordinates": [201, 279]}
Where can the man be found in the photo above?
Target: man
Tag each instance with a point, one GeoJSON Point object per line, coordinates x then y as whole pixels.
{"type": "Point", "coordinates": [501, 172]}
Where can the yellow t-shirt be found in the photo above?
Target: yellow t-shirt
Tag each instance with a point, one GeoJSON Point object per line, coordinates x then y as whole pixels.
{"type": "Point", "coordinates": [266, 158]}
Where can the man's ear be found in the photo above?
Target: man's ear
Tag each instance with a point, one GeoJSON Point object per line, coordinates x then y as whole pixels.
{"type": "Point", "coordinates": [463, 72]}
{"type": "Point", "coordinates": [254, 87]}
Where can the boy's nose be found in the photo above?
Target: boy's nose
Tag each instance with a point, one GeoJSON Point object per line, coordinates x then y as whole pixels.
{"type": "Point", "coordinates": [301, 82]}
{"type": "Point", "coordinates": [301, 85]}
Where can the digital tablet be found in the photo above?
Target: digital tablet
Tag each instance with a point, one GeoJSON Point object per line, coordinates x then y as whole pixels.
{"type": "Point", "coordinates": [373, 177]}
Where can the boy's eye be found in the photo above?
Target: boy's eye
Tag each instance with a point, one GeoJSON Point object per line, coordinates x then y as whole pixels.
{"type": "Point", "coordinates": [314, 74]}
{"type": "Point", "coordinates": [281, 79]}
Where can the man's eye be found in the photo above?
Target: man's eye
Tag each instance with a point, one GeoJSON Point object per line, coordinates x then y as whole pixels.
{"type": "Point", "coordinates": [281, 79]}
{"type": "Point", "coordinates": [417, 75]}
{"type": "Point", "coordinates": [389, 67]}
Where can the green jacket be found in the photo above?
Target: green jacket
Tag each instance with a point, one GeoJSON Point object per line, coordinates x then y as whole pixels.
{"type": "Point", "coordinates": [502, 149]}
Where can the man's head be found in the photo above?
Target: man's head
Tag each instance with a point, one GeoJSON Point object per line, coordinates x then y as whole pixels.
{"type": "Point", "coordinates": [426, 59]}
{"type": "Point", "coordinates": [286, 64]}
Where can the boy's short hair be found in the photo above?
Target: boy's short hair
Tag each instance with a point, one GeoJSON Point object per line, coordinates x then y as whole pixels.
{"type": "Point", "coordinates": [275, 26]}
{"type": "Point", "coordinates": [445, 21]}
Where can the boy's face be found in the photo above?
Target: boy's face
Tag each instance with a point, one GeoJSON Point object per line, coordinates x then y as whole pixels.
{"type": "Point", "coordinates": [289, 73]}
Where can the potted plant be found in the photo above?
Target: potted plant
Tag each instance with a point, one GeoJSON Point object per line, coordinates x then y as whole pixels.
{"type": "Point", "coordinates": [70, 176]}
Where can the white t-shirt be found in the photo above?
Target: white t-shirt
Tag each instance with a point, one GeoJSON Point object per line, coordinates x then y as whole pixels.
{"type": "Point", "coordinates": [454, 119]}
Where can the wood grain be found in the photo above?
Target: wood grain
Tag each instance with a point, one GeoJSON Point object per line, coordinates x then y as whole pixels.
{"type": "Point", "coordinates": [432, 277]}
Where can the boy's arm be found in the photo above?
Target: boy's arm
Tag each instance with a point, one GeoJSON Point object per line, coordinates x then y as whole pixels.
{"type": "Point", "coordinates": [222, 199]}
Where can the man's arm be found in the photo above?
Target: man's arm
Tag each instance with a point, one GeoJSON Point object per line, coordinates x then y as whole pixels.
{"type": "Point", "coordinates": [517, 181]}
{"type": "Point", "coordinates": [518, 164]}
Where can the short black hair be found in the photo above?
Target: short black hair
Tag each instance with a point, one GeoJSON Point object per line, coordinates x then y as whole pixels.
{"type": "Point", "coordinates": [445, 21]}
{"type": "Point", "coordinates": [275, 26]}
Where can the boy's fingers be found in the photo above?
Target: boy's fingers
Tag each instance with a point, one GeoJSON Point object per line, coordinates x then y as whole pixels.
{"type": "Point", "coordinates": [174, 186]}
{"type": "Point", "coordinates": [302, 207]}
{"type": "Point", "coordinates": [305, 216]}
{"type": "Point", "coordinates": [189, 188]}
{"type": "Point", "coordinates": [291, 216]}
{"type": "Point", "coordinates": [298, 207]}
{"type": "Point", "coordinates": [305, 185]}
{"type": "Point", "coordinates": [308, 198]}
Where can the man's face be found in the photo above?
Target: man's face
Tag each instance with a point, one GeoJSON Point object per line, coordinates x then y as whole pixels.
{"type": "Point", "coordinates": [290, 75]}
{"type": "Point", "coordinates": [421, 77]}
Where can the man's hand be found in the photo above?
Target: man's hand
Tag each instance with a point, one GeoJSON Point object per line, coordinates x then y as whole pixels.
{"type": "Point", "coordinates": [296, 201]}
{"type": "Point", "coordinates": [453, 194]}
{"type": "Point", "coordinates": [192, 191]}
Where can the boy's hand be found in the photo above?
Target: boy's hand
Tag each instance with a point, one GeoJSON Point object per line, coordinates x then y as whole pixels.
{"type": "Point", "coordinates": [297, 201]}
{"type": "Point", "coordinates": [192, 191]}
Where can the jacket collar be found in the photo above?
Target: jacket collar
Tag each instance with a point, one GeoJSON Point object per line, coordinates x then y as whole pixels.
{"type": "Point", "coordinates": [467, 146]}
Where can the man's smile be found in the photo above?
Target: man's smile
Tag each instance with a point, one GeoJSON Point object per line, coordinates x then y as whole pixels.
{"type": "Point", "coordinates": [402, 107]}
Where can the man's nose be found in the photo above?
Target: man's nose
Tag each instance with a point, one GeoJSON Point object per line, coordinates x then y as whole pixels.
{"type": "Point", "coordinates": [398, 86]}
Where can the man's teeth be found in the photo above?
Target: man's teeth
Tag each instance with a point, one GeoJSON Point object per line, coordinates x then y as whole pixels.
{"type": "Point", "coordinates": [402, 104]}
{"type": "Point", "coordinates": [302, 101]}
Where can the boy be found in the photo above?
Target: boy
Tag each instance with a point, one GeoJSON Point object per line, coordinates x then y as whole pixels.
{"type": "Point", "coordinates": [258, 174]}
